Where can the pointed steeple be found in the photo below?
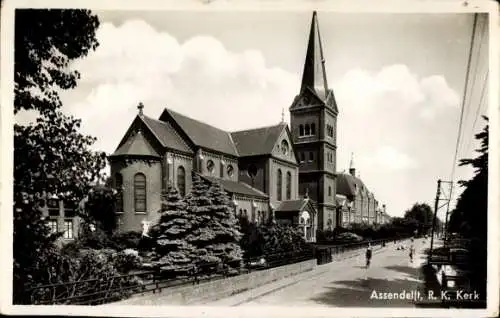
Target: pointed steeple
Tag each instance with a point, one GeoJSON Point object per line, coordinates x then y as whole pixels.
{"type": "Point", "coordinates": [314, 75]}
{"type": "Point", "coordinates": [352, 170]}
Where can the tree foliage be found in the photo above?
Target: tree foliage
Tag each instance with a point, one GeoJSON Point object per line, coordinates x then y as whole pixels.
{"type": "Point", "coordinates": [51, 158]}
{"type": "Point", "coordinates": [469, 218]}
{"type": "Point", "coordinates": [46, 41]}
{"type": "Point", "coordinates": [171, 251]}
{"type": "Point", "coordinates": [98, 208]}
{"type": "Point", "coordinates": [420, 217]}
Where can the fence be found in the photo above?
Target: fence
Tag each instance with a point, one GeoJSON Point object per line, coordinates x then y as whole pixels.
{"type": "Point", "coordinates": [100, 291]}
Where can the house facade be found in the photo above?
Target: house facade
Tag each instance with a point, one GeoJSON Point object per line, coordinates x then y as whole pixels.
{"type": "Point", "coordinates": [356, 203]}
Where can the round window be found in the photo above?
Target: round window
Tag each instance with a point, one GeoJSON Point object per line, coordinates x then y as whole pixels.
{"type": "Point", "coordinates": [210, 166]}
{"type": "Point", "coordinates": [230, 170]}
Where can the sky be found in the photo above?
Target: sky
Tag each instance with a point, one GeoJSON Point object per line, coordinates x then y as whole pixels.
{"type": "Point", "coordinates": [398, 80]}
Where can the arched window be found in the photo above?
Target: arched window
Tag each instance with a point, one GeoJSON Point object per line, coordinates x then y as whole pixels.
{"type": "Point", "coordinates": [311, 156]}
{"type": "Point", "coordinates": [301, 130]}
{"type": "Point", "coordinates": [302, 157]}
{"type": "Point", "coordinates": [307, 130]}
{"type": "Point", "coordinates": [181, 180]}
{"type": "Point", "coordinates": [279, 180]}
{"type": "Point", "coordinates": [313, 129]}
{"type": "Point", "coordinates": [288, 185]}
{"type": "Point", "coordinates": [119, 188]}
{"type": "Point", "coordinates": [140, 192]}
{"type": "Point", "coordinates": [210, 166]}
{"type": "Point", "coordinates": [329, 191]}
{"type": "Point", "coordinates": [241, 212]}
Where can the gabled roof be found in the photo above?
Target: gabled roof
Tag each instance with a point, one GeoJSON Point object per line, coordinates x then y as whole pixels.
{"type": "Point", "coordinates": [203, 135]}
{"type": "Point", "coordinates": [136, 145]}
{"type": "Point", "coordinates": [350, 185]}
{"type": "Point", "coordinates": [293, 205]}
{"type": "Point", "coordinates": [259, 141]}
{"type": "Point", "coordinates": [164, 133]}
{"type": "Point", "coordinates": [236, 187]}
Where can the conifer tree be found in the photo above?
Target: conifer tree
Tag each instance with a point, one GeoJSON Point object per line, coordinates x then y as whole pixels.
{"type": "Point", "coordinates": [171, 250]}
{"type": "Point", "coordinates": [199, 206]}
{"type": "Point", "coordinates": [226, 229]}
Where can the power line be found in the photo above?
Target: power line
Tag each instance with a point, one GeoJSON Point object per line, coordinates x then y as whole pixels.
{"type": "Point", "coordinates": [466, 85]}
{"type": "Point", "coordinates": [464, 98]}
{"type": "Point", "coordinates": [476, 64]}
{"type": "Point", "coordinates": [478, 110]}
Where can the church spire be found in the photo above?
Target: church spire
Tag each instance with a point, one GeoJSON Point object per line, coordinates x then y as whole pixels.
{"type": "Point", "coordinates": [352, 170]}
{"type": "Point", "coordinates": [314, 75]}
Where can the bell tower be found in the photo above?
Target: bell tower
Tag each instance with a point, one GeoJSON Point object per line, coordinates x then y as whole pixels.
{"type": "Point", "coordinates": [313, 121]}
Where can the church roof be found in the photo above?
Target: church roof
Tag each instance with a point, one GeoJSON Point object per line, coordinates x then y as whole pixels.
{"type": "Point", "coordinates": [259, 141]}
{"type": "Point", "coordinates": [163, 133]}
{"type": "Point", "coordinates": [292, 205]}
{"type": "Point", "coordinates": [350, 185]}
{"type": "Point", "coordinates": [204, 135]}
{"type": "Point", "coordinates": [236, 187]}
{"type": "Point", "coordinates": [136, 146]}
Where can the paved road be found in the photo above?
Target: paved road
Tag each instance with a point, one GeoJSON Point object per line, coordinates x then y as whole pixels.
{"type": "Point", "coordinates": [344, 283]}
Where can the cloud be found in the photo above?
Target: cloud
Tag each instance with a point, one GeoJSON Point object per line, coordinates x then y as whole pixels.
{"type": "Point", "coordinates": [136, 63]}
{"type": "Point", "coordinates": [395, 86]}
{"type": "Point", "coordinates": [388, 158]}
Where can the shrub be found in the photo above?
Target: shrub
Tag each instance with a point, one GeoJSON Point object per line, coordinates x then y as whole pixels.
{"type": "Point", "coordinates": [122, 241]}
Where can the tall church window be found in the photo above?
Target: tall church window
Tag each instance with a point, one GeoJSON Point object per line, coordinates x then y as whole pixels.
{"type": "Point", "coordinates": [210, 166]}
{"type": "Point", "coordinates": [301, 130]}
{"type": "Point", "coordinates": [311, 156]}
{"type": "Point", "coordinates": [278, 185]}
{"type": "Point", "coordinates": [181, 180]}
{"type": "Point", "coordinates": [288, 185]}
{"type": "Point", "coordinates": [313, 129]}
{"type": "Point", "coordinates": [329, 191]}
{"type": "Point", "coordinates": [307, 130]}
{"type": "Point", "coordinates": [302, 157]}
{"type": "Point", "coordinates": [140, 192]}
{"type": "Point", "coordinates": [119, 188]}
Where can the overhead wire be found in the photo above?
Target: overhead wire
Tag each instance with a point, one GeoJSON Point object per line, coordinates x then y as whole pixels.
{"type": "Point", "coordinates": [460, 124]}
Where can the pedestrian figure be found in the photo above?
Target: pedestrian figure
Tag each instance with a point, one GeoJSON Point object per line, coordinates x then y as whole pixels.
{"type": "Point", "coordinates": [368, 255]}
{"type": "Point", "coordinates": [412, 251]}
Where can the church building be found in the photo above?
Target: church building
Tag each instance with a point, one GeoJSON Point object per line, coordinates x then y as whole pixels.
{"type": "Point", "coordinates": [284, 172]}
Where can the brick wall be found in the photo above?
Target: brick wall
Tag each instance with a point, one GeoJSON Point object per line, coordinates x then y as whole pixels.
{"type": "Point", "coordinates": [222, 288]}
{"type": "Point", "coordinates": [130, 220]}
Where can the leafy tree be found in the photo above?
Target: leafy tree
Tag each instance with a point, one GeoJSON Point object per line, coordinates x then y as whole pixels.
{"type": "Point", "coordinates": [420, 218]}
{"type": "Point", "coordinates": [45, 43]}
{"type": "Point", "coordinates": [171, 251]}
{"type": "Point", "coordinates": [50, 157]}
{"type": "Point", "coordinates": [470, 216]}
{"type": "Point", "coordinates": [99, 208]}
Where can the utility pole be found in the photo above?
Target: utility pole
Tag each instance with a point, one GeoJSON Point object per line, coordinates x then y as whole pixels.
{"type": "Point", "coordinates": [436, 209]}
{"type": "Point", "coordinates": [447, 214]}
{"type": "Point", "coordinates": [436, 203]}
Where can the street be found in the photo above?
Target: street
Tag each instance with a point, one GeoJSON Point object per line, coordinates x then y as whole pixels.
{"type": "Point", "coordinates": [345, 283]}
